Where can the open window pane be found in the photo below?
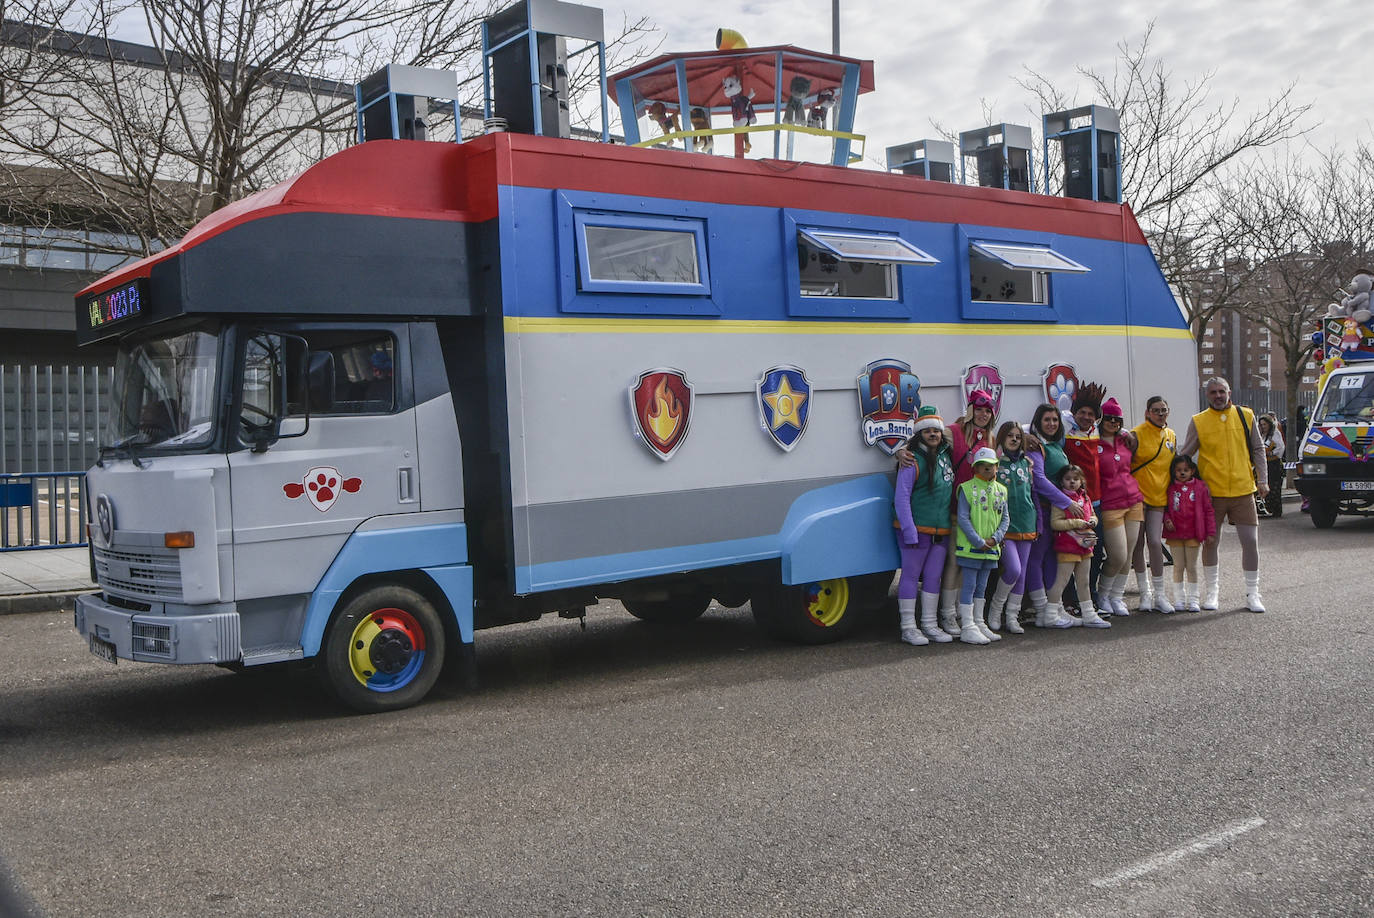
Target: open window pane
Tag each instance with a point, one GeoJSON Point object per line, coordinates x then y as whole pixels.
{"type": "Point", "coordinates": [868, 247]}
{"type": "Point", "coordinates": [618, 254]}
{"type": "Point", "coordinates": [1028, 257]}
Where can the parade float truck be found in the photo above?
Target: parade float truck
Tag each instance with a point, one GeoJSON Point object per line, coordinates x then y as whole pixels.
{"type": "Point", "coordinates": [426, 388]}
{"type": "Point", "coordinates": [1336, 458]}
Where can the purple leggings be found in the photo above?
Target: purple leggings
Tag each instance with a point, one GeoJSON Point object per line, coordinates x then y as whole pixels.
{"type": "Point", "coordinates": [1042, 566]}
{"type": "Point", "coordinates": [1016, 563]}
{"type": "Point", "coordinates": [923, 561]}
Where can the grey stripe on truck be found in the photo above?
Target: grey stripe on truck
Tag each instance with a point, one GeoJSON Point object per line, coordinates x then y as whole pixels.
{"type": "Point", "coordinates": [616, 525]}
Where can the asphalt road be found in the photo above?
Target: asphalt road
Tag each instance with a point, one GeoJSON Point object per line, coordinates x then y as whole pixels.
{"type": "Point", "coordinates": [1216, 764]}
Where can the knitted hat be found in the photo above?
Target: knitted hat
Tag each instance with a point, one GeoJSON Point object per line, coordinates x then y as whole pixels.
{"type": "Point", "coordinates": [980, 398]}
{"type": "Point", "coordinates": [928, 418]}
{"type": "Point", "coordinates": [1110, 409]}
{"type": "Point", "coordinates": [985, 454]}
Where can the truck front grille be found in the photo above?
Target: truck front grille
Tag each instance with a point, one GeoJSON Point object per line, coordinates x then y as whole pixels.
{"type": "Point", "coordinates": [147, 573]}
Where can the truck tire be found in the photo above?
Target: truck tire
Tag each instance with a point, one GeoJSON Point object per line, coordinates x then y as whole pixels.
{"type": "Point", "coordinates": [869, 592]}
{"type": "Point", "coordinates": [383, 650]}
{"type": "Point", "coordinates": [820, 612]}
{"type": "Point", "coordinates": [1323, 513]}
{"type": "Point", "coordinates": [677, 609]}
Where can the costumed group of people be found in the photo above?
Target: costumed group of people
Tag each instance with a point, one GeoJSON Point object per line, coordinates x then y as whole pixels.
{"type": "Point", "coordinates": [1071, 499]}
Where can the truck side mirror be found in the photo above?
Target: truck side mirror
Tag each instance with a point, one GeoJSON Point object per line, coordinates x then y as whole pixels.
{"type": "Point", "coordinates": [275, 388]}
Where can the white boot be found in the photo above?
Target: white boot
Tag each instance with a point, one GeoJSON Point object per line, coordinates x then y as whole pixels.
{"type": "Point", "coordinates": [1190, 594]}
{"type": "Point", "coordinates": [906, 608]}
{"type": "Point", "coordinates": [982, 623]}
{"type": "Point", "coordinates": [1161, 596]}
{"type": "Point", "coordinates": [1040, 604]}
{"type": "Point", "coordinates": [1103, 599]}
{"type": "Point", "coordinates": [968, 631]}
{"type": "Point", "coordinates": [948, 622]}
{"type": "Point", "coordinates": [1118, 595]}
{"type": "Point", "coordinates": [1142, 586]}
{"type": "Point", "coordinates": [1013, 614]}
{"type": "Point", "coordinates": [1063, 619]}
{"type": "Point", "coordinates": [1252, 594]}
{"type": "Point", "coordinates": [929, 622]}
{"type": "Point", "coordinates": [997, 603]}
{"type": "Point", "coordinates": [1055, 617]}
{"type": "Point", "coordinates": [1090, 617]}
{"type": "Point", "coordinates": [1211, 578]}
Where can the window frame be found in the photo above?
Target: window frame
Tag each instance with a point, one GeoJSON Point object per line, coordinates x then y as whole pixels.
{"type": "Point", "coordinates": [580, 294]}
{"type": "Point", "coordinates": [967, 237]}
{"type": "Point", "coordinates": [801, 224]}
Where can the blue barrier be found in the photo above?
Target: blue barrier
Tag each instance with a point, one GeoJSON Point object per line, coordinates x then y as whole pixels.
{"type": "Point", "coordinates": [40, 511]}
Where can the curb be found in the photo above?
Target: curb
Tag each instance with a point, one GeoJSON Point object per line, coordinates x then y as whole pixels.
{"type": "Point", "coordinates": [40, 602]}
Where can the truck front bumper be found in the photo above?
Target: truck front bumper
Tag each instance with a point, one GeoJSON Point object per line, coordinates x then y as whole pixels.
{"type": "Point", "coordinates": [148, 638]}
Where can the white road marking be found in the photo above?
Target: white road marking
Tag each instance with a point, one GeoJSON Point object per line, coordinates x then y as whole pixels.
{"type": "Point", "coordinates": [1166, 858]}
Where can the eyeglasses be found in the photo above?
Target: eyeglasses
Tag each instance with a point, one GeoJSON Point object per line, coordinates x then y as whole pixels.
{"type": "Point", "coordinates": [1110, 420]}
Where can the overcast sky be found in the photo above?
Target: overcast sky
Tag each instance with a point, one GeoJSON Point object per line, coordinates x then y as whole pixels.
{"type": "Point", "coordinates": [941, 60]}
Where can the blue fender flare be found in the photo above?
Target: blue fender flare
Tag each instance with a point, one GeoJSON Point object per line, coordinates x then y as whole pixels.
{"type": "Point", "coordinates": [841, 530]}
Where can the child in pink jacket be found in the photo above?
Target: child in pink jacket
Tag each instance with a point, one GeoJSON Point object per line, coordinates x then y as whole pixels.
{"type": "Point", "coordinates": [1188, 522]}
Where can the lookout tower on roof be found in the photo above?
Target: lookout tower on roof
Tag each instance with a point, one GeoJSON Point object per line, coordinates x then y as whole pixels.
{"type": "Point", "coordinates": [694, 97]}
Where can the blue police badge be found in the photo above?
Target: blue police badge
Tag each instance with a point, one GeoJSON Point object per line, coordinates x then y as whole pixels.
{"type": "Point", "coordinates": [784, 395]}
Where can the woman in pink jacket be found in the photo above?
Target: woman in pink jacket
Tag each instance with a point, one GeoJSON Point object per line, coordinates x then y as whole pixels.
{"type": "Point", "coordinates": [1188, 522]}
{"type": "Point", "coordinates": [1122, 509]}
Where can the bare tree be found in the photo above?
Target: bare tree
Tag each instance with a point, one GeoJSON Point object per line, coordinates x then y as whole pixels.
{"type": "Point", "coordinates": [1304, 230]}
{"type": "Point", "coordinates": [1174, 141]}
{"type": "Point", "coordinates": [226, 98]}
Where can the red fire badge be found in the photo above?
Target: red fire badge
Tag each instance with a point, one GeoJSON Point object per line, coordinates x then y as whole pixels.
{"type": "Point", "coordinates": [322, 485]}
{"type": "Point", "coordinates": [661, 402]}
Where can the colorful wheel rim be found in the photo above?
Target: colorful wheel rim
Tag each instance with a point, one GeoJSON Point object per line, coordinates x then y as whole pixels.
{"type": "Point", "coordinates": [826, 601]}
{"type": "Point", "coordinates": [387, 650]}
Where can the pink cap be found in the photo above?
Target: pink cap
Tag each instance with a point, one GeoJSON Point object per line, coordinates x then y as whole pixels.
{"type": "Point", "coordinates": [980, 398]}
{"type": "Point", "coordinates": [1110, 409]}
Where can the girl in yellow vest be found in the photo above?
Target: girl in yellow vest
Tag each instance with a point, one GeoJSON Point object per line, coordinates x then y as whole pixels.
{"type": "Point", "coordinates": [1155, 448]}
{"type": "Point", "coordinates": [982, 522]}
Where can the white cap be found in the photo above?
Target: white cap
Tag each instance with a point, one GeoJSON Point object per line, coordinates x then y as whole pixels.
{"type": "Point", "coordinates": [986, 454]}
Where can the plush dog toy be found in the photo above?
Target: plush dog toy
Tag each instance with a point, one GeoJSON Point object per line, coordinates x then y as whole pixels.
{"type": "Point", "coordinates": [701, 121]}
{"type": "Point", "coordinates": [665, 117]}
{"type": "Point", "coordinates": [825, 101]}
{"type": "Point", "coordinates": [798, 90]}
{"type": "Point", "coordinates": [741, 111]}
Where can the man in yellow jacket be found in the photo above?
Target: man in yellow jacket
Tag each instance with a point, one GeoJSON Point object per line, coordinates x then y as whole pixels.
{"type": "Point", "coordinates": [1226, 443]}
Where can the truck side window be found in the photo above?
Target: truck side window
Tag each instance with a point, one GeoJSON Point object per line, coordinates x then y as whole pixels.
{"type": "Point", "coordinates": [853, 264]}
{"type": "Point", "coordinates": [350, 372]}
{"type": "Point", "coordinates": [1011, 273]}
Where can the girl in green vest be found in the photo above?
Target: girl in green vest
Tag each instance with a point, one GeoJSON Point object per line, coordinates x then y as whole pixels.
{"type": "Point", "coordinates": [1014, 471]}
{"type": "Point", "coordinates": [982, 522]}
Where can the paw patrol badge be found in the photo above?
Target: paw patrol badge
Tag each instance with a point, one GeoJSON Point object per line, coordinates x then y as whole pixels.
{"type": "Point", "coordinates": [889, 397]}
{"type": "Point", "coordinates": [987, 377]}
{"type": "Point", "coordinates": [661, 403]}
{"type": "Point", "coordinates": [1061, 385]}
{"type": "Point", "coordinates": [784, 396]}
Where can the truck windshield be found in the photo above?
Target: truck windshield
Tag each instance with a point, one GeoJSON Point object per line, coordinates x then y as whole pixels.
{"type": "Point", "coordinates": [1348, 397]}
{"type": "Point", "coordinates": [164, 392]}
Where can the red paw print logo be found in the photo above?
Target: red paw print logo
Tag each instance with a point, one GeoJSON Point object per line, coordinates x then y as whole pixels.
{"type": "Point", "coordinates": [322, 485]}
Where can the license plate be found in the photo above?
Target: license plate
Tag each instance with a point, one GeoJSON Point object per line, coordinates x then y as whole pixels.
{"type": "Point", "coordinates": [1357, 485]}
{"type": "Point", "coordinates": [104, 650]}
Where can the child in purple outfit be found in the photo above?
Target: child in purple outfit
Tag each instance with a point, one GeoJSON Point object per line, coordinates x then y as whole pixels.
{"type": "Point", "coordinates": [921, 501]}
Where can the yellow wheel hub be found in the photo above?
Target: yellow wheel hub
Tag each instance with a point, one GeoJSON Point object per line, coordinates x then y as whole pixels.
{"type": "Point", "coordinates": [827, 601]}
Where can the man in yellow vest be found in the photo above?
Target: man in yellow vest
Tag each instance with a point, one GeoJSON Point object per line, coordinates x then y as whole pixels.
{"type": "Point", "coordinates": [1229, 451]}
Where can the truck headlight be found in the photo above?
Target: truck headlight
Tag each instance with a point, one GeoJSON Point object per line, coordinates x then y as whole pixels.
{"type": "Point", "coordinates": [1314, 468]}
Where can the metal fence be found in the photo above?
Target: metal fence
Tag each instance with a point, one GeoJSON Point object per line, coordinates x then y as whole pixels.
{"type": "Point", "coordinates": [52, 417]}
{"type": "Point", "coordinates": [42, 511]}
{"type": "Point", "coordinates": [50, 423]}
